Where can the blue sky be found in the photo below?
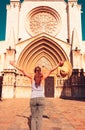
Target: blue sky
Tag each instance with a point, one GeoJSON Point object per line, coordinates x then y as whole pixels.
{"type": "Point", "coordinates": [3, 4]}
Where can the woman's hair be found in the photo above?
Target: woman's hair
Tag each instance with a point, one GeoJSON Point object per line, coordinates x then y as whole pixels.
{"type": "Point", "coordinates": [37, 68]}
{"type": "Point", "coordinates": [38, 76]}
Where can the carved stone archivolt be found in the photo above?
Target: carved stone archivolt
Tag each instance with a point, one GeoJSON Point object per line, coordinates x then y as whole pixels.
{"type": "Point", "coordinates": [42, 51]}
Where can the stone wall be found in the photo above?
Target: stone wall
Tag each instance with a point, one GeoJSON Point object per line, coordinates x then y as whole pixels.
{"type": "Point", "coordinates": [18, 86]}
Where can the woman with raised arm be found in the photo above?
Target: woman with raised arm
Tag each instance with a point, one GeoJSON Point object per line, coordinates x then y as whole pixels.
{"type": "Point", "coordinates": [37, 101]}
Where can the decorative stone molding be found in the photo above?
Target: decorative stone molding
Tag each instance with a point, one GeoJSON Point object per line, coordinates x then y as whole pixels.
{"type": "Point", "coordinates": [43, 19]}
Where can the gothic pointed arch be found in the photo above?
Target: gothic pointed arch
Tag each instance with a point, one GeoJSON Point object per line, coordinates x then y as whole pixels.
{"type": "Point", "coordinates": [42, 51]}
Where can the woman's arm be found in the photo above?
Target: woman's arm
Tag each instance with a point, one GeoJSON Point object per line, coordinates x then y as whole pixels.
{"type": "Point", "coordinates": [17, 67]}
{"type": "Point", "coordinates": [53, 69]}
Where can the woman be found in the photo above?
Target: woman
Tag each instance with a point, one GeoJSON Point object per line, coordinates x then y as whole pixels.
{"type": "Point", "coordinates": [37, 102]}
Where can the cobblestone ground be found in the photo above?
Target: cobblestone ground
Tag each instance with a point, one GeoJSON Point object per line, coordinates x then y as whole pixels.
{"type": "Point", "coordinates": [59, 114]}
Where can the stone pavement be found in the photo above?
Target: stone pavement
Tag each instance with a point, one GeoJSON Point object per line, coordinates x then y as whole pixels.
{"type": "Point", "coordinates": [59, 114]}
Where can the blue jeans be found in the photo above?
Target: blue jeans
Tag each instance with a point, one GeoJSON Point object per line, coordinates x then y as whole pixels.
{"type": "Point", "coordinates": [37, 107]}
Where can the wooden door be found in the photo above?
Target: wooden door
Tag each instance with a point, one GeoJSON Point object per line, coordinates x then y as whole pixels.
{"type": "Point", "coordinates": [49, 86]}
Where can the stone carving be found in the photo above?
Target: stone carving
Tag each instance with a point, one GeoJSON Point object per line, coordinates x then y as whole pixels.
{"type": "Point", "coordinates": [43, 22]}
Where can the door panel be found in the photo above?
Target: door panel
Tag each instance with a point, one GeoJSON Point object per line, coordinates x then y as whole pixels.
{"type": "Point", "coordinates": [49, 87]}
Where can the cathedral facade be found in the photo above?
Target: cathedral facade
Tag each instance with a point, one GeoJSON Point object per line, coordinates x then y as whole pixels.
{"type": "Point", "coordinates": [40, 32]}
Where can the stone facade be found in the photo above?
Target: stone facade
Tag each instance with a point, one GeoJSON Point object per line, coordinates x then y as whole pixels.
{"type": "Point", "coordinates": [39, 32]}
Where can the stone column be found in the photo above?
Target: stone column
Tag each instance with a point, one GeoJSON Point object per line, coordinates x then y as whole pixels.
{"type": "Point", "coordinates": [8, 89]}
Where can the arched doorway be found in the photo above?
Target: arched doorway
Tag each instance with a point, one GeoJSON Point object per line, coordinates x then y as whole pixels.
{"type": "Point", "coordinates": [44, 52]}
